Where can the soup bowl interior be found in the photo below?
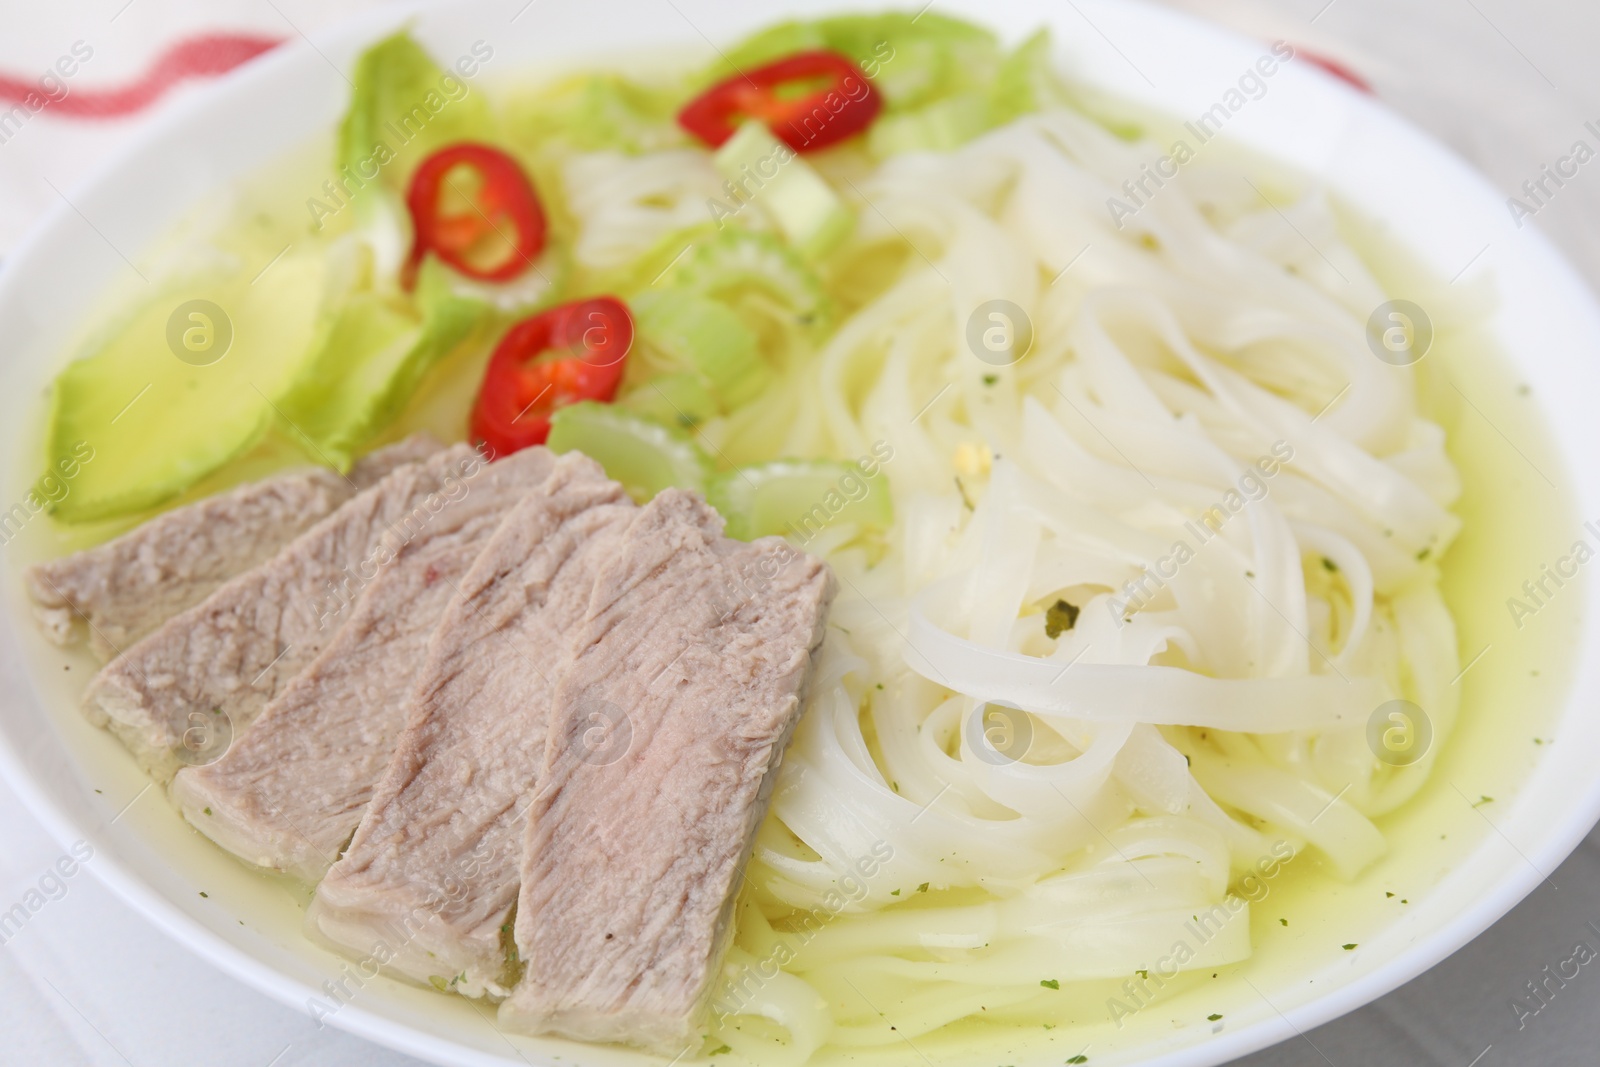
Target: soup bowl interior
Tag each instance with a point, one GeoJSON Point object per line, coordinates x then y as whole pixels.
{"type": "Point", "coordinates": [1543, 322]}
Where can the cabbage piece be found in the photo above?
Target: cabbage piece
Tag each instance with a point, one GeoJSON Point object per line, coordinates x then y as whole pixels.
{"type": "Point", "coordinates": [786, 188]}
{"type": "Point", "coordinates": [694, 332]}
{"type": "Point", "coordinates": [1026, 82]}
{"type": "Point", "coordinates": [370, 359]}
{"type": "Point", "coordinates": [734, 263]}
{"type": "Point", "coordinates": [402, 108]}
{"type": "Point", "coordinates": [679, 399]}
{"type": "Point", "coordinates": [1023, 82]}
{"type": "Point", "coordinates": [729, 307]}
{"type": "Point", "coordinates": [644, 455]}
{"type": "Point", "coordinates": [799, 498]}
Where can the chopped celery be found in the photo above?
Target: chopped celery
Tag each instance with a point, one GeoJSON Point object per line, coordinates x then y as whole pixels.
{"type": "Point", "coordinates": [697, 333]}
{"type": "Point", "coordinates": [644, 455]}
{"type": "Point", "coordinates": [652, 269]}
{"type": "Point", "coordinates": [726, 307]}
{"type": "Point", "coordinates": [798, 498]}
{"type": "Point", "coordinates": [679, 399]}
{"type": "Point", "coordinates": [724, 265]}
{"type": "Point", "coordinates": [793, 195]}
{"type": "Point", "coordinates": [158, 421]}
{"type": "Point", "coordinates": [369, 362]}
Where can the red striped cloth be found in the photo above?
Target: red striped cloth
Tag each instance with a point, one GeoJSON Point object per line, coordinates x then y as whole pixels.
{"type": "Point", "coordinates": [201, 56]}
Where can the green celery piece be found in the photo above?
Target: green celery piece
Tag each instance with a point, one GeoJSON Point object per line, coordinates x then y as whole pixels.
{"type": "Point", "coordinates": [644, 455]}
{"type": "Point", "coordinates": [728, 263]}
{"type": "Point", "coordinates": [800, 203]}
{"type": "Point", "coordinates": [678, 399]}
{"type": "Point", "coordinates": [799, 498]}
{"type": "Point", "coordinates": [654, 265]}
{"type": "Point", "coordinates": [701, 334]}
{"type": "Point", "coordinates": [158, 424]}
{"type": "Point", "coordinates": [370, 361]}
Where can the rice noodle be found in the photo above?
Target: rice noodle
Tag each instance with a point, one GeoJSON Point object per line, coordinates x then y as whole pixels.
{"type": "Point", "coordinates": [1199, 454]}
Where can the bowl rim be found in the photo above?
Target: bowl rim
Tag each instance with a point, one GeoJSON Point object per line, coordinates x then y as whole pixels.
{"type": "Point", "coordinates": [1559, 840]}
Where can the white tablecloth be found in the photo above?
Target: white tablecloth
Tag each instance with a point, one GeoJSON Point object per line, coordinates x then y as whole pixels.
{"type": "Point", "coordinates": [1509, 84]}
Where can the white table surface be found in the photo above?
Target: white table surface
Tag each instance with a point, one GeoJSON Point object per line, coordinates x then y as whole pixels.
{"type": "Point", "coordinates": [1509, 83]}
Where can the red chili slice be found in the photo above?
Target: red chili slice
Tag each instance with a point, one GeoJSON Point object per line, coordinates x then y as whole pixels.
{"type": "Point", "coordinates": [503, 207]}
{"type": "Point", "coordinates": [558, 357]}
{"type": "Point", "coordinates": [809, 100]}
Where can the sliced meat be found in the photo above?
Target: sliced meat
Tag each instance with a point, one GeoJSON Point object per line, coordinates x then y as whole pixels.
{"type": "Point", "coordinates": [126, 588]}
{"type": "Point", "coordinates": [666, 731]}
{"type": "Point", "coordinates": [291, 790]}
{"type": "Point", "coordinates": [432, 871]}
{"type": "Point", "coordinates": [181, 694]}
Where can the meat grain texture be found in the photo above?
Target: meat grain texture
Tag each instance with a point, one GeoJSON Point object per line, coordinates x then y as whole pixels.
{"type": "Point", "coordinates": [289, 793]}
{"type": "Point", "coordinates": [687, 679]}
{"type": "Point", "coordinates": [178, 697]}
{"type": "Point", "coordinates": [122, 590]}
{"type": "Point", "coordinates": [430, 878]}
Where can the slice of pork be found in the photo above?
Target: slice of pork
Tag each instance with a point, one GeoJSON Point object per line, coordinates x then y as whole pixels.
{"type": "Point", "coordinates": [666, 731]}
{"type": "Point", "coordinates": [429, 880]}
{"type": "Point", "coordinates": [292, 789]}
{"type": "Point", "coordinates": [125, 588]}
{"type": "Point", "coordinates": [179, 696]}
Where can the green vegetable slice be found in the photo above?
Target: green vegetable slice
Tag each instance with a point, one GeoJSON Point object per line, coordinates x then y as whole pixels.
{"type": "Point", "coordinates": [681, 399]}
{"type": "Point", "coordinates": [799, 498]}
{"type": "Point", "coordinates": [158, 422]}
{"type": "Point", "coordinates": [695, 332]}
{"type": "Point", "coordinates": [731, 307]}
{"type": "Point", "coordinates": [800, 203]}
{"type": "Point", "coordinates": [402, 108]}
{"type": "Point", "coordinates": [369, 362]}
{"type": "Point", "coordinates": [644, 455]}
{"type": "Point", "coordinates": [734, 263]}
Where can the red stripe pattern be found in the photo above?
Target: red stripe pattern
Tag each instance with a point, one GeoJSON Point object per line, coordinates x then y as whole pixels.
{"type": "Point", "coordinates": [194, 57]}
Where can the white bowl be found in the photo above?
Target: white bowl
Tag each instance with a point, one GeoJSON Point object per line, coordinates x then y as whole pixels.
{"type": "Point", "coordinates": [82, 786]}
